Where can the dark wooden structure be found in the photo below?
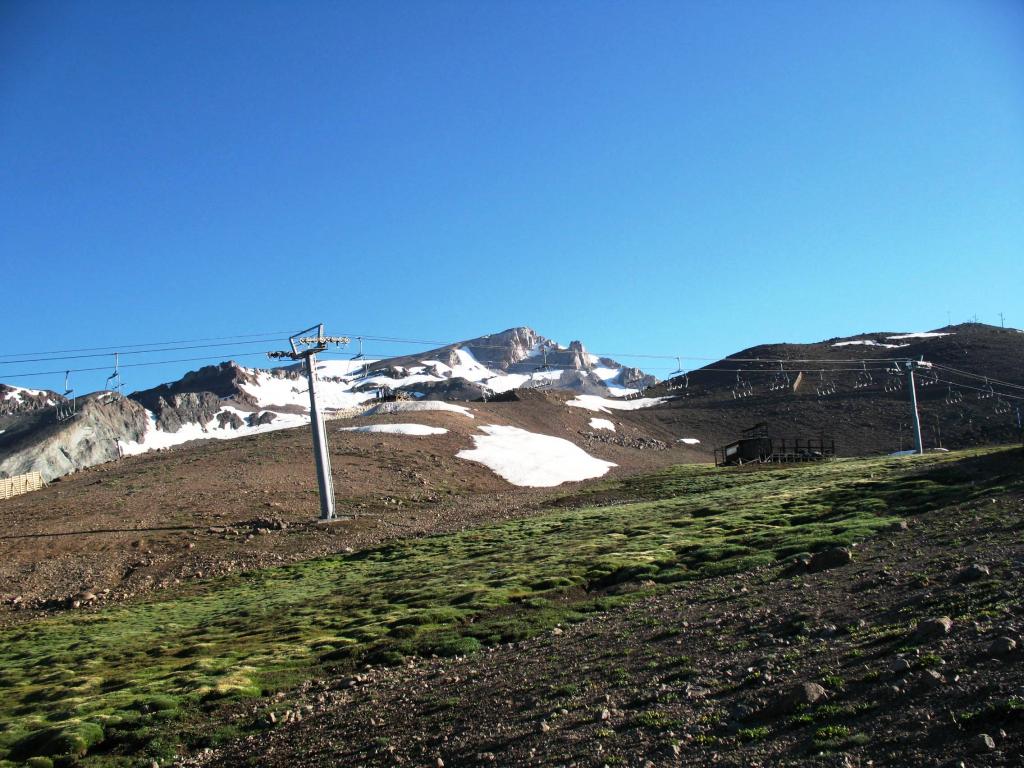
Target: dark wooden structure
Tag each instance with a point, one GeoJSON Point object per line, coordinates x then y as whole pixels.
{"type": "Point", "coordinates": [757, 446]}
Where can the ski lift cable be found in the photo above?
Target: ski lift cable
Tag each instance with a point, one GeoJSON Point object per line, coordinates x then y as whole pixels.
{"type": "Point", "coordinates": [134, 365]}
{"type": "Point", "coordinates": [130, 352]}
{"type": "Point", "coordinates": [120, 347]}
{"type": "Point", "coordinates": [977, 376]}
{"type": "Point", "coordinates": [980, 389]}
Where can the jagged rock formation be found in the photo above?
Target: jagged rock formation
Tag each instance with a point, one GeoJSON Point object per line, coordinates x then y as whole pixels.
{"type": "Point", "coordinates": [224, 380]}
{"type": "Point", "coordinates": [36, 441]}
{"type": "Point", "coordinates": [20, 400]}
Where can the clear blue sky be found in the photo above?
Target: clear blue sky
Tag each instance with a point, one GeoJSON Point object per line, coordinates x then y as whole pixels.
{"type": "Point", "coordinates": [681, 177]}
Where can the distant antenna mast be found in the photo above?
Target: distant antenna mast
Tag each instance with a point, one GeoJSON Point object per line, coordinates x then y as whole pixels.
{"type": "Point", "coordinates": [310, 346]}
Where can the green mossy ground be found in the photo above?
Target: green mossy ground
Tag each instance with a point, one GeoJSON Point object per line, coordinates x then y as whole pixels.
{"type": "Point", "coordinates": [134, 679]}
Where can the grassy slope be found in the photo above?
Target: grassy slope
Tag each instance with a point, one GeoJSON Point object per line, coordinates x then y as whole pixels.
{"type": "Point", "coordinates": [121, 680]}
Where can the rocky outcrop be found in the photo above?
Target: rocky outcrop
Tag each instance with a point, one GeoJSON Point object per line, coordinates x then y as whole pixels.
{"type": "Point", "coordinates": [37, 442]}
{"type": "Point", "coordinates": [452, 389]}
{"type": "Point", "coordinates": [14, 400]}
{"type": "Point", "coordinates": [186, 408]}
{"type": "Point", "coordinates": [223, 380]}
{"type": "Point", "coordinates": [634, 378]}
{"type": "Point", "coordinates": [259, 419]}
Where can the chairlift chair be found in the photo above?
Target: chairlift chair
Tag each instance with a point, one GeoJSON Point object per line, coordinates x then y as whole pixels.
{"type": "Point", "coordinates": [742, 388]}
{"type": "Point", "coordinates": [674, 377]}
{"type": "Point", "coordinates": [954, 396]}
{"type": "Point", "coordinates": [67, 409]}
{"type": "Point", "coordinates": [894, 379]}
{"type": "Point", "coordinates": [544, 366]}
{"type": "Point", "coordinates": [864, 378]}
{"type": "Point", "coordinates": [825, 387]}
{"type": "Point", "coordinates": [114, 383]}
{"type": "Point", "coordinates": [361, 371]}
{"type": "Point", "coordinates": [987, 392]}
{"type": "Point", "coordinates": [1002, 406]}
{"type": "Point", "coordinates": [779, 380]}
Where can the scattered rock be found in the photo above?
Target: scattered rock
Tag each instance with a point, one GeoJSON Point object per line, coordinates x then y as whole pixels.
{"type": "Point", "coordinates": [830, 558]}
{"type": "Point", "coordinates": [972, 572]}
{"type": "Point", "coordinates": [983, 743]}
{"type": "Point", "coordinates": [899, 667]}
{"type": "Point", "coordinates": [1002, 646]}
{"type": "Point", "coordinates": [932, 629]}
{"type": "Point", "coordinates": [931, 679]}
{"type": "Point", "coordinates": [802, 694]}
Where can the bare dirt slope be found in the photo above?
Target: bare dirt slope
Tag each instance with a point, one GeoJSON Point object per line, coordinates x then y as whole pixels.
{"type": "Point", "coordinates": [863, 420]}
{"type": "Point", "coordinates": [214, 507]}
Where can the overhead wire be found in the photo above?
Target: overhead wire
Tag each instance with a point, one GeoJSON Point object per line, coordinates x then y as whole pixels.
{"type": "Point", "coordinates": [960, 385]}
{"type": "Point", "coordinates": [119, 347]}
{"type": "Point", "coordinates": [978, 376]}
{"type": "Point", "coordinates": [132, 352]}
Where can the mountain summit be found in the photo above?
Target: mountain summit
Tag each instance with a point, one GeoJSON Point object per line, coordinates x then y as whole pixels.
{"type": "Point", "coordinates": [228, 400]}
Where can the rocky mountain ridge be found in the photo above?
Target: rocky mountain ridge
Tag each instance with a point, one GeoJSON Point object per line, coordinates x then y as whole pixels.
{"type": "Point", "coordinates": [228, 400]}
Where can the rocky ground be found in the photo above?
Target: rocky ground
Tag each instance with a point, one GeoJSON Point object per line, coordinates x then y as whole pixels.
{"type": "Point", "coordinates": [904, 652]}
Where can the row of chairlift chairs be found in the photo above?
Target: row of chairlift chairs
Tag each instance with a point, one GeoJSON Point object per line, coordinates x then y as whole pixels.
{"type": "Point", "coordinates": [68, 407]}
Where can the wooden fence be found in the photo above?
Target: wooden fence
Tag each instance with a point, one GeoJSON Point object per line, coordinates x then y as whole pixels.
{"type": "Point", "coordinates": [19, 484]}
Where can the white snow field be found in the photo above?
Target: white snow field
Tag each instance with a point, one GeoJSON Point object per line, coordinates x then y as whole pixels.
{"type": "Point", "coordinates": [270, 391]}
{"type": "Point", "coordinates": [922, 335]}
{"type": "Point", "coordinates": [398, 429]}
{"type": "Point", "coordinates": [605, 405]}
{"type": "Point", "coordinates": [689, 440]}
{"type": "Point", "coordinates": [468, 368]}
{"type": "Point", "coordinates": [156, 438]}
{"type": "Point", "coordinates": [596, 423]}
{"type": "Point", "coordinates": [530, 459]}
{"type": "Point", "coordinates": [869, 343]}
{"type": "Point", "coordinates": [412, 406]}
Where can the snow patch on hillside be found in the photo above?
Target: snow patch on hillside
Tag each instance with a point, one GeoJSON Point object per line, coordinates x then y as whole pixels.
{"type": "Point", "coordinates": [596, 423]}
{"type": "Point", "coordinates": [270, 391]}
{"type": "Point", "coordinates": [17, 393]}
{"type": "Point", "coordinates": [398, 429]}
{"type": "Point", "coordinates": [413, 406]}
{"type": "Point", "coordinates": [689, 440]}
{"type": "Point", "coordinates": [868, 343]}
{"type": "Point", "coordinates": [605, 405]}
{"type": "Point", "coordinates": [530, 459]}
{"type": "Point", "coordinates": [155, 438]}
{"type": "Point", "coordinates": [929, 335]}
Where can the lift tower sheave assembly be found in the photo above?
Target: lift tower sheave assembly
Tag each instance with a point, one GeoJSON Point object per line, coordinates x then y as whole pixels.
{"type": "Point", "coordinates": [305, 348]}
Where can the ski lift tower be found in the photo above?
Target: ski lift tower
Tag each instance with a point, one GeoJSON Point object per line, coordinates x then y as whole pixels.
{"type": "Point", "coordinates": [305, 347]}
{"type": "Point", "coordinates": [911, 366]}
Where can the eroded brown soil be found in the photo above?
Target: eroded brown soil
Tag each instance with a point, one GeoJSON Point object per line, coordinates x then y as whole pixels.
{"type": "Point", "coordinates": [213, 507]}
